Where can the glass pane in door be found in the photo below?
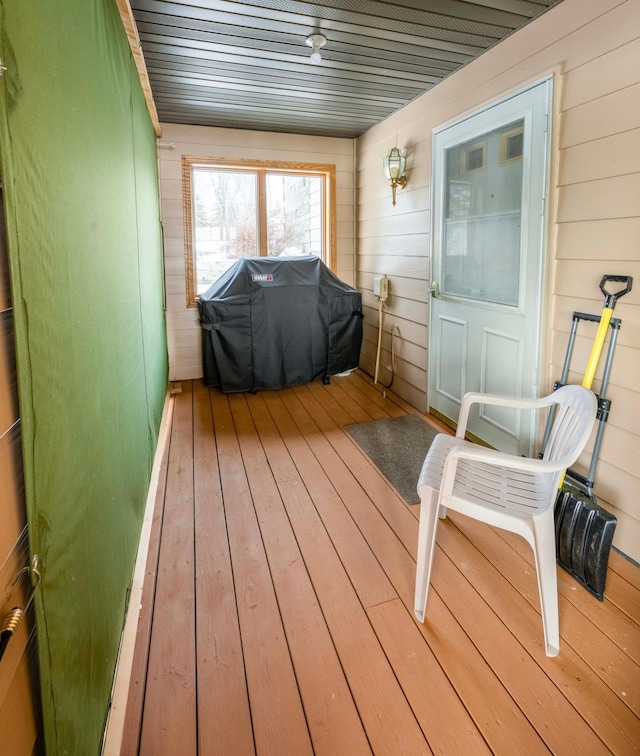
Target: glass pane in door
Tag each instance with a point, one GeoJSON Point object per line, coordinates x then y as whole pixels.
{"type": "Point", "coordinates": [482, 217]}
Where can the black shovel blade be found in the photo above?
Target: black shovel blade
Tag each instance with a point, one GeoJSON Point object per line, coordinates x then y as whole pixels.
{"type": "Point", "coordinates": [584, 533]}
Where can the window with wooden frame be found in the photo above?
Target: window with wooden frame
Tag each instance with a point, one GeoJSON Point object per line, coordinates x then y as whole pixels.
{"type": "Point", "coordinates": [511, 145]}
{"type": "Point", "coordinates": [473, 158]}
{"type": "Point", "coordinates": [249, 208]}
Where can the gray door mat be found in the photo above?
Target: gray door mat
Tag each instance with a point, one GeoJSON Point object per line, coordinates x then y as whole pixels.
{"type": "Point", "coordinates": [397, 446]}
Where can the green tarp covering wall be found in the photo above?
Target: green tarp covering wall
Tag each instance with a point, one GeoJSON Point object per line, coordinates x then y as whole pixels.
{"type": "Point", "coordinates": [81, 194]}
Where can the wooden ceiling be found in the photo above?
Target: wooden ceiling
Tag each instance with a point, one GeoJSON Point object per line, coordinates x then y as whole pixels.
{"type": "Point", "coordinates": [245, 64]}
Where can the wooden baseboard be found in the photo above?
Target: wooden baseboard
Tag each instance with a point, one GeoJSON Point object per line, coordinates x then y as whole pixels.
{"type": "Point", "coordinates": [114, 727]}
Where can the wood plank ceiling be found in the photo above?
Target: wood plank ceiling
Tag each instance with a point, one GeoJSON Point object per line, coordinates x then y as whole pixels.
{"type": "Point", "coordinates": [246, 64]}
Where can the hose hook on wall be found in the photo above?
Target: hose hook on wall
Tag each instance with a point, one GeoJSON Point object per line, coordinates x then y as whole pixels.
{"type": "Point", "coordinates": [12, 619]}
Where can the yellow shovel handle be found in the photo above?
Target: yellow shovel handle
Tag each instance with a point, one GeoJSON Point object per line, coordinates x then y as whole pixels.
{"type": "Point", "coordinates": [605, 318]}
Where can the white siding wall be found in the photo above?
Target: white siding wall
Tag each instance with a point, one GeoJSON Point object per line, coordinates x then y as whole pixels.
{"type": "Point", "coordinates": [183, 332]}
{"type": "Point", "coordinates": [593, 49]}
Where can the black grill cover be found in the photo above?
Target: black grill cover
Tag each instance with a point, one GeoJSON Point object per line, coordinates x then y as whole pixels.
{"type": "Point", "coordinates": [271, 322]}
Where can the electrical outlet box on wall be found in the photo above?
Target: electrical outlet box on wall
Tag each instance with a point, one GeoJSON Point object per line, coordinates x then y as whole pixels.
{"type": "Point", "coordinates": [381, 287]}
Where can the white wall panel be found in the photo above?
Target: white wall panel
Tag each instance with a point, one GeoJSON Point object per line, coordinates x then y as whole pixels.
{"type": "Point", "coordinates": [610, 114]}
{"type": "Point", "coordinates": [594, 79]}
{"type": "Point", "coordinates": [608, 238]}
{"type": "Point", "coordinates": [614, 155]}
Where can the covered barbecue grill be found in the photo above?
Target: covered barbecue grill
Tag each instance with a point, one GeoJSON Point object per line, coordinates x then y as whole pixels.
{"type": "Point", "coordinates": [271, 322]}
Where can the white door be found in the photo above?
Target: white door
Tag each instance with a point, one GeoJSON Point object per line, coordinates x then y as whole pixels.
{"type": "Point", "coordinates": [489, 187]}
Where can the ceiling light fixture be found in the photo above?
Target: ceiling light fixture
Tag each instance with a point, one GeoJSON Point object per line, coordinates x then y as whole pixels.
{"type": "Point", "coordinates": [394, 169]}
{"type": "Point", "coordinates": [316, 41]}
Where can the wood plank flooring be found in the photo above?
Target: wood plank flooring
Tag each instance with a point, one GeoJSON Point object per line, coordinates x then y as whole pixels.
{"type": "Point", "coordinates": [277, 610]}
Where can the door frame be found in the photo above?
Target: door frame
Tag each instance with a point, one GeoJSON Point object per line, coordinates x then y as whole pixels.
{"type": "Point", "coordinates": [541, 314]}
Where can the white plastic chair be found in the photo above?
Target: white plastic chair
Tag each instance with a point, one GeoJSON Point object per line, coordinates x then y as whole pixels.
{"type": "Point", "coordinates": [505, 490]}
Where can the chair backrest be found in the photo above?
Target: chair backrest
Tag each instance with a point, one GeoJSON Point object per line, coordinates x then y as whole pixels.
{"type": "Point", "coordinates": [575, 414]}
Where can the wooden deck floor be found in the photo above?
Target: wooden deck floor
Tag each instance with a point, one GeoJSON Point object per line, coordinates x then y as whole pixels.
{"type": "Point", "coordinates": [277, 609]}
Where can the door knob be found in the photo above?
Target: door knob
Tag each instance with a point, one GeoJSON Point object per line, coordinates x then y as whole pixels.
{"type": "Point", "coordinates": [434, 289]}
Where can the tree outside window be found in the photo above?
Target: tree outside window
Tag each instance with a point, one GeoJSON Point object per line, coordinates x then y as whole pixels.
{"type": "Point", "coordinates": [236, 209]}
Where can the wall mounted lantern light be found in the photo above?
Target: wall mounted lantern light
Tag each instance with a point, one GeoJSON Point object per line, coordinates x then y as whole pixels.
{"type": "Point", "coordinates": [394, 169]}
{"type": "Point", "coordinates": [316, 41]}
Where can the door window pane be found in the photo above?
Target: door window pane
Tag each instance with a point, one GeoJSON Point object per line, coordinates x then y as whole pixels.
{"type": "Point", "coordinates": [225, 222]}
{"type": "Point", "coordinates": [294, 215]}
{"type": "Point", "coordinates": [482, 219]}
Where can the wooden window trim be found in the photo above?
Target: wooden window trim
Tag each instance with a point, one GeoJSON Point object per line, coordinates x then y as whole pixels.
{"type": "Point", "coordinates": [464, 152]}
{"type": "Point", "coordinates": [504, 138]}
{"type": "Point", "coordinates": [328, 171]}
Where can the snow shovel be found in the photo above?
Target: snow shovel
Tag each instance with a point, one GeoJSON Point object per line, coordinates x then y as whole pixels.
{"type": "Point", "coordinates": [584, 530]}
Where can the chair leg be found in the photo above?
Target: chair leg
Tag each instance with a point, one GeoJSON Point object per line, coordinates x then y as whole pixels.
{"type": "Point", "coordinates": [545, 555]}
{"type": "Point", "coordinates": [426, 545]}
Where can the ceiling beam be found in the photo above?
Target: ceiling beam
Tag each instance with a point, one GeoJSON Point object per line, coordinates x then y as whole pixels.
{"type": "Point", "coordinates": [128, 21]}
